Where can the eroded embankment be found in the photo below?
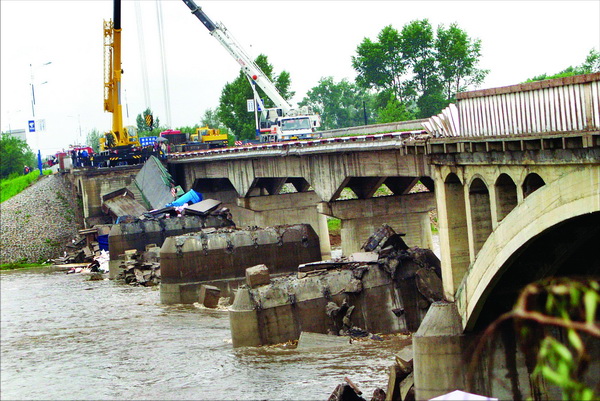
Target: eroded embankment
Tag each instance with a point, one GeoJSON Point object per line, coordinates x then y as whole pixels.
{"type": "Point", "coordinates": [36, 224]}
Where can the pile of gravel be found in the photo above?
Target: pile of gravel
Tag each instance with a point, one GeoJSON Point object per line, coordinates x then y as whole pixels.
{"type": "Point", "coordinates": [36, 224]}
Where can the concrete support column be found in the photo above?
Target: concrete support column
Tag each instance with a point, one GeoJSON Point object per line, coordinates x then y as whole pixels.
{"type": "Point", "coordinates": [293, 208]}
{"type": "Point", "coordinates": [439, 367]}
{"type": "Point", "coordinates": [404, 213]}
{"type": "Point", "coordinates": [452, 218]}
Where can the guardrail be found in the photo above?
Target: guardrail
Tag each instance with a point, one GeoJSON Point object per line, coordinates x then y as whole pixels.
{"type": "Point", "coordinates": [264, 149]}
{"type": "Point", "coordinates": [570, 104]}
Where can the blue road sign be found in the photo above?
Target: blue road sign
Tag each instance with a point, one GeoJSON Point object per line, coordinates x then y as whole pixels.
{"type": "Point", "coordinates": [31, 126]}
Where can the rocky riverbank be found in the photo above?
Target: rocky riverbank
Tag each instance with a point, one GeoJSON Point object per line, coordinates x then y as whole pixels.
{"type": "Point", "coordinates": [37, 223]}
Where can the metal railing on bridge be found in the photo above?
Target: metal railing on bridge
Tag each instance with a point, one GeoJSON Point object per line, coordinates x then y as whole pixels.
{"type": "Point", "coordinates": [570, 104]}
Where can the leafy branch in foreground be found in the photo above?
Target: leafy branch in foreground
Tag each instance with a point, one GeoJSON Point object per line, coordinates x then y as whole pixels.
{"type": "Point", "coordinates": [544, 312]}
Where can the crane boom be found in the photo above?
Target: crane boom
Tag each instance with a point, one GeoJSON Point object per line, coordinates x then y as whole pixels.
{"type": "Point", "coordinates": [250, 68]}
{"type": "Point", "coordinates": [280, 123]}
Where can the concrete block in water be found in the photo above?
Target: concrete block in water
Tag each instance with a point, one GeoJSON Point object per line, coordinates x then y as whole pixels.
{"type": "Point", "coordinates": [209, 296]}
{"type": "Point", "coordinates": [257, 275]}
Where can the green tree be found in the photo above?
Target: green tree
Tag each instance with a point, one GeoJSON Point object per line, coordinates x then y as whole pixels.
{"type": "Point", "coordinates": [142, 125]}
{"type": "Point", "coordinates": [421, 70]}
{"type": "Point", "coordinates": [379, 64]}
{"type": "Point", "coordinates": [340, 104]}
{"type": "Point", "coordinates": [416, 45]}
{"type": "Point", "coordinates": [14, 154]}
{"type": "Point", "coordinates": [589, 66]}
{"type": "Point", "coordinates": [457, 57]}
{"type": "Point", "coordinates": [393, 111]}
{"type": "Point", "coordinates": [211, 118]}
{"type": "Point", "coordinates": [591, 63]}
{"type": "Point", "coordinates": [93, 139]}
{"type": "Point", "coordinates": [232, 111]}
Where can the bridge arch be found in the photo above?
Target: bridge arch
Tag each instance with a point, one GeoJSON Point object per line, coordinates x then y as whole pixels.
{"type": "Point", "coordinates": [569, 197]}
{"type": "Point", "coordinates": [532, 183]}
{"type": "Point", "coordinates": [506, 196]}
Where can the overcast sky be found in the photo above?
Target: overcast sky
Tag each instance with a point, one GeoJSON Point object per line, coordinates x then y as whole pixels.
{"type": "Point", "coordinates": [310, 39]}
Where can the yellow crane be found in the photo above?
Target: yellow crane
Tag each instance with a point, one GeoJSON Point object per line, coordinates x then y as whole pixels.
{"type": "Point", "coordinates": [119, 137]}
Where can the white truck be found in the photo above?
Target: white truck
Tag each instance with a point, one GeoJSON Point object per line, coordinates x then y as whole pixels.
{"type": "Point", "coordinates": [280, 123]}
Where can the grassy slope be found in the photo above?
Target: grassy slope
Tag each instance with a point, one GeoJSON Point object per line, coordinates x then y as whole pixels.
{"type": "Point", "coordinates": [10, 187]}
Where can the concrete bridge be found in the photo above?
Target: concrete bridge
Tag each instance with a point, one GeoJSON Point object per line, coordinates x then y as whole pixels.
{"type": "Point", "coordinates": [253, 183]}
{"type": "Point", "coordinates": [513, 172]}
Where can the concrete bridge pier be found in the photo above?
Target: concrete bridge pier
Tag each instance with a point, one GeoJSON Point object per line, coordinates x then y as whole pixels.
{"type": "Point", "coordinates": [292, 208]}
{"type": "Point", "coordinates": [407, 214]}
{"type": "Point", "coordinates": [92, 184]}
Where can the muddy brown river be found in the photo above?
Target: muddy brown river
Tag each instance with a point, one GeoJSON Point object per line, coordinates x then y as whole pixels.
{"type": "Point", "coordinates": [66, 338]}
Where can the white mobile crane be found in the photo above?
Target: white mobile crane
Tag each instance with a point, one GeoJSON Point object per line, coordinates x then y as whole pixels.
{"type": "Point", "coordinates": [280, 123]}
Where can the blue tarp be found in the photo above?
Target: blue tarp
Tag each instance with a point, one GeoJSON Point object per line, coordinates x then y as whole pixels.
{"type": "Point", "coordinates": [190, 197]}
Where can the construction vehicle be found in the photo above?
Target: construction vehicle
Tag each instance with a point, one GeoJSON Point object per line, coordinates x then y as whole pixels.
{"type": "Point", "coordinates": [280, 123]}
{"type": "Point", "coordinates": [121, 145]}
{"type": "Point", "coordinates": [210, 136]}
{"type": "Point", "coordinates": [203, 138]}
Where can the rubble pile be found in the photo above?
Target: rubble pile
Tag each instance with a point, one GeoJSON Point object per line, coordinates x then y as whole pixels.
{"type": "Point", "coordinates": [401, 384]}
{"type": "Point", "coordinates": [84, 248]}
{"type": "Point", "coordinates": [348, 391]}
{"type": "Point", "coordinates": [141, 269]}
{"type": "Point", "coordinates": [409, 267]}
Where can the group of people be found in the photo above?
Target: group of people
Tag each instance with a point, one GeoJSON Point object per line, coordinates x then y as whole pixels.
{"type": "Point", "coordinates": [80, 157]}
{"type": "Point", "coordinates": [163, 147]}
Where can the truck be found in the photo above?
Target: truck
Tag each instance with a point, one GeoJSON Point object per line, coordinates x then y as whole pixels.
{"type": "Point", "coordinates": [210, 136]}
{"type": "Point", "coordinates": [202, 138]}
{"type": "Point", "coordinates": [121, 145]}
{"type": "Point", "coordinates": [280, 123]}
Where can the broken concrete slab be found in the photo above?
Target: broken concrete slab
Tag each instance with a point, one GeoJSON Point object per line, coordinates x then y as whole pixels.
{"type": "Point", "coordinates": [364, 257]}
{"type": "Point", "coordinates": [430, 284]}
{"type": "Point", "coordinates": [383, 237]}
{"type": "Point", "coordinates": [257, 275]}
{"type": "Point", "coordinates": [404, 359]}
{"type": "Point", "coordinates": [311, 341]}
{"type": "Point", "coordinates": [122, 203]}
{"type": "Point", "coordinates": [203, 207]}
{"type": "Point", "coordinates": [407, 388]}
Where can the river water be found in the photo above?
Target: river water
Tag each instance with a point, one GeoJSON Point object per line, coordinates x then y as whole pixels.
{"type": "Point", "coordinates": [64, 337]}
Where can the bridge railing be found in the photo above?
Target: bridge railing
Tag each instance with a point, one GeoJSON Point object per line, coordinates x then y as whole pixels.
{"type": "Point", "coordinates": [570, 104]}
{"type": "Point", "coordinates": [400, 126]}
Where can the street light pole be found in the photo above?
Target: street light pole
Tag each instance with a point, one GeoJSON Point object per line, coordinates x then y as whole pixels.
{"type": "Point", "coordinates": [39, 155]}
